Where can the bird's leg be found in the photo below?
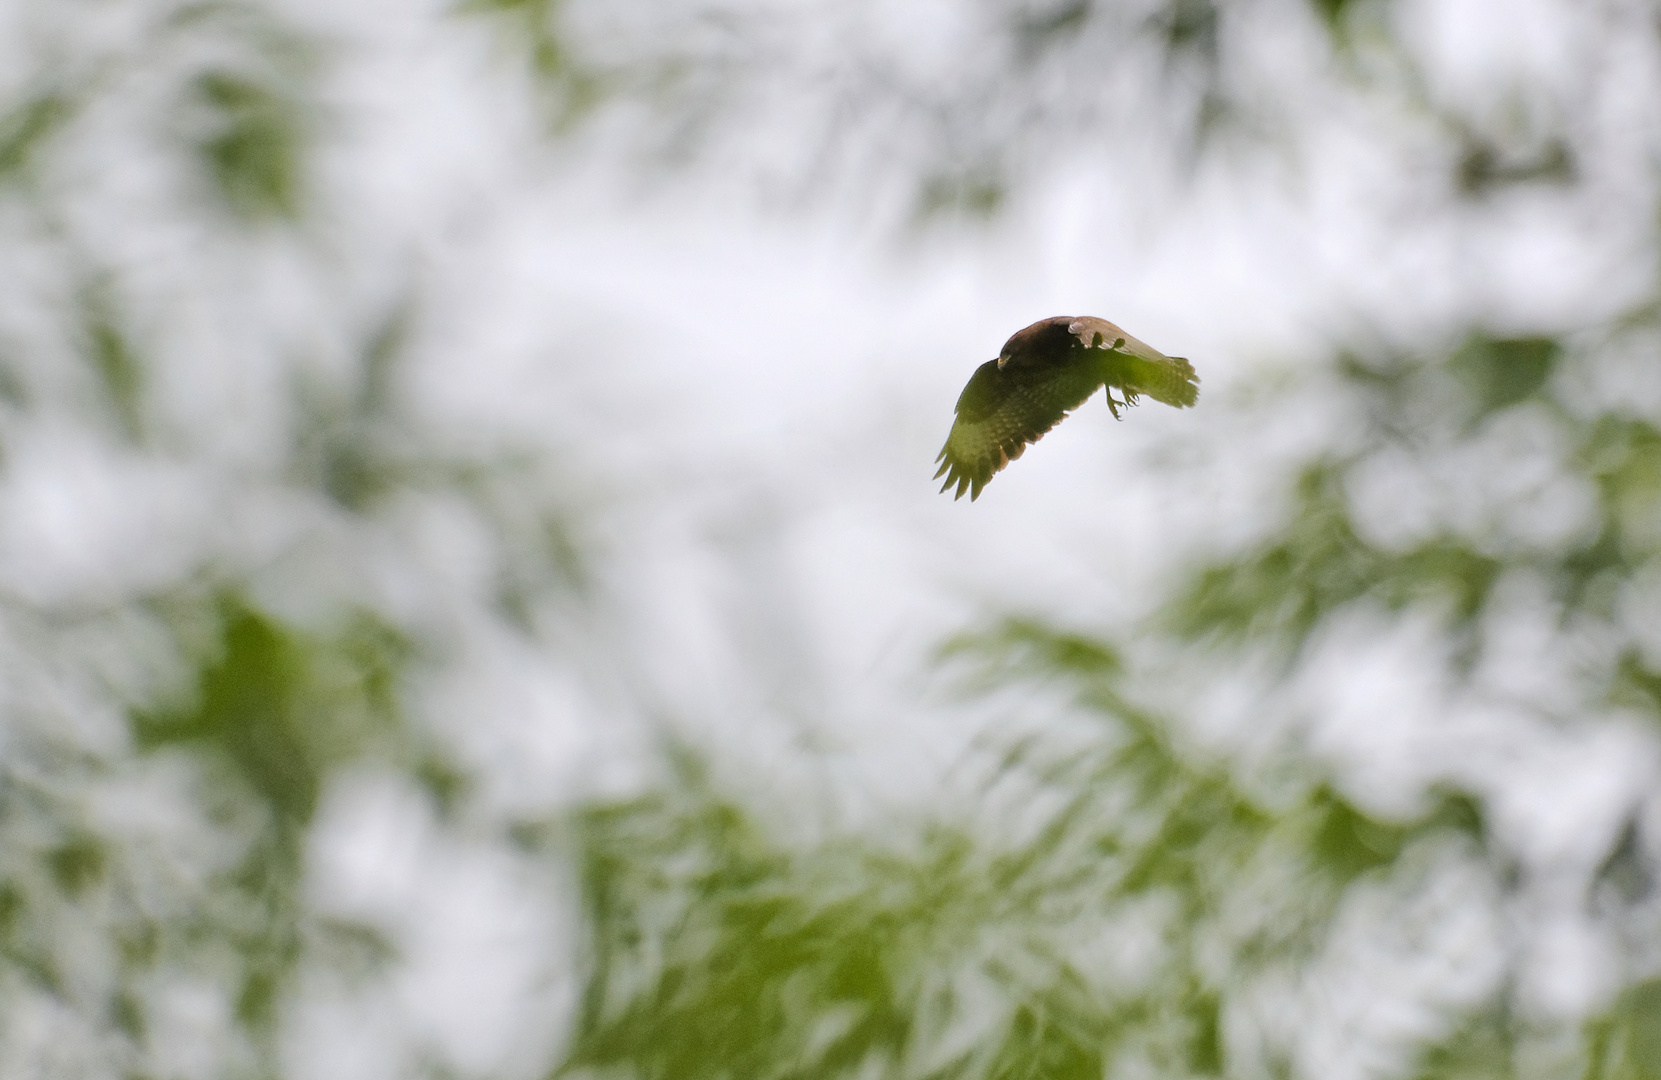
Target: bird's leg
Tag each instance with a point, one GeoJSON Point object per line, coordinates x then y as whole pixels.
{"type": "Point", "coordinates": [1112, 406]}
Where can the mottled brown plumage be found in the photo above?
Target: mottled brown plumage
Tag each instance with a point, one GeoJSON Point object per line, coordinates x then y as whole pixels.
{"type": "Point", "coordinates": [1043, 373]}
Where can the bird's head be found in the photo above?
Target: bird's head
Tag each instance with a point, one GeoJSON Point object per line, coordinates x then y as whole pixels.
{"type": "Point", "coordinates": [1044, 340]}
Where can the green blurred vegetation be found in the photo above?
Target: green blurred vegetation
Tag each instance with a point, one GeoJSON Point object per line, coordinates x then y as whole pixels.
{"type": "Point", "coordinates": [1141, 896]}
{"type": "Point", "coordinates": [271, 711]}
{"type": "Point", "coordinates": [1119, 898]}
{"type": "Point", "coordinates": [254, 148]}
{"type": "Point", "coordinates": [571, 85]}
{"type": "Point", "coordinates": [283, 711]}
{"type": "Point", "coordinates": [27, 124]}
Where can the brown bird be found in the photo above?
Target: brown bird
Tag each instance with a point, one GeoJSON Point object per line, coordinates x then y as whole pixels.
{"type": "Point", "coordinates": [1043, 373]}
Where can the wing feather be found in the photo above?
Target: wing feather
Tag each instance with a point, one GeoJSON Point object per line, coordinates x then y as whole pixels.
{"type": "Point", "coordinates": [1001, 413]}
{"type": "Point", "coordinates": [1138, 367]}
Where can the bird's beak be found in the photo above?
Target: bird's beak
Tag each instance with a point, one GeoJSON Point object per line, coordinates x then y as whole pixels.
{"type": "Point", "coordinates": [1002, 360]}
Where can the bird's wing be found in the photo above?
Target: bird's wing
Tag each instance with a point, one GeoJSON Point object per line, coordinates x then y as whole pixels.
{"type": "Point", "coordinates": [1001, 412]}
{"type": "Point", "coordinates": [1137, 367]}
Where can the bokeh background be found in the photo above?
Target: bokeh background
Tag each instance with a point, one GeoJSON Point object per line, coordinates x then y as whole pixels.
{"type": "Point", "coordinates": [472, 602]}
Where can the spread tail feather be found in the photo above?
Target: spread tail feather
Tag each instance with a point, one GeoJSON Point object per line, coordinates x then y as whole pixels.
{"type": "Point", "coordinates": [1170, 380]}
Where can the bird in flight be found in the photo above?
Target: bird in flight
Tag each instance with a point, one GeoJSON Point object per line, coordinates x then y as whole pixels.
{"type": "Point", "coordinates": [1043, 373]}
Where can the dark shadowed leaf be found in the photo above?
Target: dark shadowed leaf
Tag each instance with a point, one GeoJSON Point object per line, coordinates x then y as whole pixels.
{"type": "Point", "coordinates": [1500, 372]}
{"type": "Point", "coordinates": [114, 358]}
{"type": "Point", "coordinates": [255, 145]}
{"type": "Point", "coordinates": [26, 126]}
{"type": "Point", "coordinates": [282, 707]}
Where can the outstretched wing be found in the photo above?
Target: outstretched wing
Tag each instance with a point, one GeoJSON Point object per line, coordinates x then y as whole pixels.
{"type": "Point", "coordinates": [1137, 367]}
{"type": "Point", "coordinates": [1001, 412]}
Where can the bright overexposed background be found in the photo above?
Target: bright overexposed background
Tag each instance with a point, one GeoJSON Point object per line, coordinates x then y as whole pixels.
{"type": "Point", "coordinates": [534, 386]}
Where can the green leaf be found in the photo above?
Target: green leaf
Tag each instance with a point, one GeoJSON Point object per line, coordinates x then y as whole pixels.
{"type": "Point", "coordinates": [255, 146]}
{"type": "Point", "coordinates": [27, 126]}
{"type": "Point", "coordinates": [1626, 1044]}
{"type": "Point", "coordinates": [1500, 372]}
{"type": "Point", "coordinates": [1317, 564]}
{"type": "Point", "coordinates": [78, 864]}
{"type": "Point", "coordinates": [572, 88]}
{"type": "Point", "coordinates": [119, 367]}
{"type": "Point", "coordinates": [283, 707]}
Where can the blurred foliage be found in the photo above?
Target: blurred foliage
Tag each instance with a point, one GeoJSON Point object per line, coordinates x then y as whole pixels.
{"type": "Point", "coordinates": [718, 947]}
{"type": "Point", "coordinates": [349, 444]}
{"type": "Point", "coordinates": [1482, 1046]}
{"type": "Point", "coordinates": [99, 917]}
{"type": "Point", "coordinates": [1117, 899]}
{"type": "Point", "coordinates": [1282, 592]}
{"type": "Point", "coordinates": [1484, 167]}
{"type": "Point", "coordinates": [572, 85]}
{"type": "Point", "coordinates": [1117, 903]}
{"type": "Point", "coordinates": [253, 148]}
{"type": "Point", "coordinates": [1627, 1043]}
{"type": "Point", "coordinates": [170, 743]}
{"type": "Point", "coordinates": [25, 125]}
{"type": "Point", "coordinates": [120, 370]}
{"type": "Point", "coordinates": [1336, 14]}
{"type": "Point", "coordinates": [284, 710]}
{"type": "Point", "coordinates": [1446, 416]}
{"type": "Point", "coordinates": [251, 125]}
{"type": "Point", "coordinates": [1030, 90]}
{"type": "Point", "coordinates": [273, 712]}
{"type": "Point", "coordinates": [1502, 372]}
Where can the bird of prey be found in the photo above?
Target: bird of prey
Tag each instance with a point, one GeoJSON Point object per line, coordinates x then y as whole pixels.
{"type": "Point", "coordinates": [1043, 373]}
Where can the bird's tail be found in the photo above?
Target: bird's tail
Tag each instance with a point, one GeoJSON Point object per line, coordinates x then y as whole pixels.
{"type": "Point", "coordinates": [1168, 379]}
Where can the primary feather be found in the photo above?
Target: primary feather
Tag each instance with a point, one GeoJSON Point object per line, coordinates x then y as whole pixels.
{"type": "Point", "coordinates": [1043, 373]}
